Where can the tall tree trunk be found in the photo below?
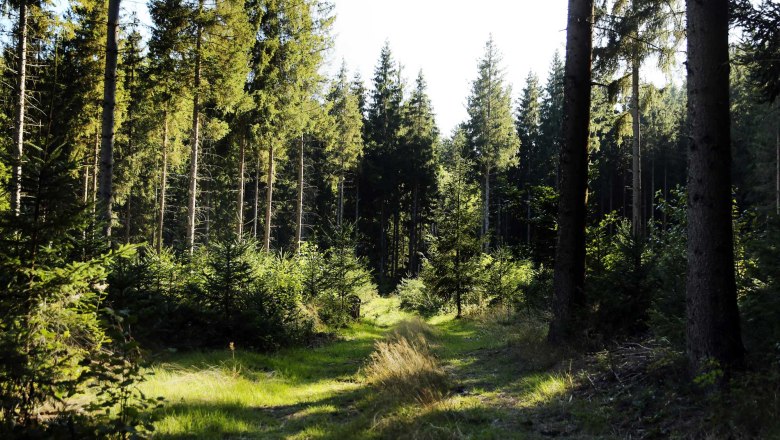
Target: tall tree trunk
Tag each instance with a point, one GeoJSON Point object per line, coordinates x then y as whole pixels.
{"type": "Point", "coordinates": [396, 240]}
{"type": "Point", "coordinates": [299, 201]}
{"type": "Point", "coordinates": [269, 194]}
{"type": "Point", "coordinates": [95, 162]}
{"type": "Point", "coordinates": [637, 201]}
{"type": "Point", "coordinates": [569, 274]}
{"type": "Point", "coordinates": [193, 189]}
{"type": "Point", "coordinates": [240, 201]}
{"type": "Point", "coordinates": [652, 189]}
{"type": "Point", "coordinates": [128, 216]}
{"type": "Point", "coordinates": [413, 231]}
{"type": "Point", "coordinates": [777, 168]}
{"type": "Point", "coordinates": [256, 210]}
{"type": "Point", "coordinates": [340, 209]}
{"type": "Point", "coordinates": [486, 211]}
{"type": "Point", "coordinates": [713, 328]}
{"type": "Point", "coordinates": [21, 82]}
{"type": "Point", "coordinates": [163, 185]}
{"type": "Point", "coordinates": [106, 193]}
{"type": "Point", "coordinates": [382, 244]}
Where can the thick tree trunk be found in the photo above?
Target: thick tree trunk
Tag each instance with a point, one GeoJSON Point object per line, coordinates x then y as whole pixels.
{"type": "Point", "coordinates": [569, 274]}
{"type": "Point", "coordinates": [777, 170]}
{"type": "Point", "coordinates": [269, 195]}
{"type": "Point", "coordinates": [193, 188]}
{"type": "Point", "coordinates": [106, 193]}
{"type": "Point", "coordinates": [21, 82]}
{"type": "Point", "coordinates": [256, 210]}
{"type": "Point", "coordinates": [241, 183]}
{"type": "Point", "coordinates": [299, 201]}
{"type": "Point", "coordinates": [713, 328]}
{"type": "Point", "coordinates": [637, 202]}
{"type": "Point", "coordinates": [163, 185]}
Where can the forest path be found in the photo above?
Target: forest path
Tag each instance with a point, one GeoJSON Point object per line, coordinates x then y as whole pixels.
{"type": "Point", "coordinates": [319, 392]}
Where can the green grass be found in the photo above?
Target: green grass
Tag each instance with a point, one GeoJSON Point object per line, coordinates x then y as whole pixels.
{"type": "Point", "coordinates": [320, 392]}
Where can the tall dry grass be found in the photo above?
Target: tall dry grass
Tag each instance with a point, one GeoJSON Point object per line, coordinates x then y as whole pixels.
{"type": "Point", "coordinates": [404, 367]}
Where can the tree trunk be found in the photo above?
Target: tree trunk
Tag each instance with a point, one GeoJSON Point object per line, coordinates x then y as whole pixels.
{"type": "Point", "coordinates": [299, 201]}
{"type": "Point", "coordinates": [106, 194]}
{"type": "Point", "coordinates": [163, 185]}
{"type": "Point", "coordinates": [340, 212]}
{"type": "Point", "coordinates": [382, 244]}
{"type": "Point", "coordinates": [21, 81]}
{"type": "Point", "coordinates": [193, 189]}
{"type": "Point", "coordinates": [269, 194]}
{"type": "Point", "coordinates": [128, 216]}
{"type": "Point", "coordinates": [240, 202]}
{"type": "Point", "coordinates": [637, 202]}
{"type": "Point", "coordinates": [777, 169]}
{"type": "Point", "coordinates": [486, 212]}
{"type": "Point", "coordinates": [713, 328]}
{"type": "Point", "coordinates": [256, 211]}
{"type": "Point", "coordinates": [413, 232]}
{"type": "Point", "coordinates": [569, 274]}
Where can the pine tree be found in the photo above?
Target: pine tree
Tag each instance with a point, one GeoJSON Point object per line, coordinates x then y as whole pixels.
{"type": "Point", "coordinates": [631, 32]}
{"type": "Point", "coordinates": [346, 147]}
{"type": "Point", "coordinates": [490, 129]}
{"type": "Point", "coordinates": [713, 328]}
{"type": "Point", "coordinates": [569, 274]}
{"type": "Point", "coordinates": [290, 38]}
{"type": "Point", "coordinates": [451, 269]}
{"type": "Point", "coordinates": [551, 129]}
{"type": "Point", "coordinates": [379, 168]}
{"type": "Point", "coordinates": [418, 139]}
{"type": "Point", "coordinates": [529, 132]}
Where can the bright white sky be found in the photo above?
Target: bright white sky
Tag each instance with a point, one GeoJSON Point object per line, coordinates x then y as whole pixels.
{"type": "Point", "coordinates": [446, 38]}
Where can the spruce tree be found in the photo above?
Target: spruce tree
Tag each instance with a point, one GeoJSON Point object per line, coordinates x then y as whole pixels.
{"type": "Point", "coordinates": [418, 139]}
{"type": "Point", "coordinates": [490, 128]}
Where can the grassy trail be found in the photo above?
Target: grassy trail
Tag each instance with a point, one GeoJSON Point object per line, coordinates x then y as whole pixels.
{"type": "Point", "coordinates": [320, 392]}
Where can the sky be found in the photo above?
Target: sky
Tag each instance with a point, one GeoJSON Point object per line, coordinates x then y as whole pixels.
{"type": "Point", "coordinates": [446, 39]}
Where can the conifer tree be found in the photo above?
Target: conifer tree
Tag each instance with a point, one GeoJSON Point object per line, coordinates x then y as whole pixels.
{"type": "Point", "coordinates": [490, 129]}
{"type": "Point", "coordinates": [631, 32]}
{"type": "Point", "coordinates": [379, 168]}
{"type": "Point", "coordinates": [346, 147]}
{"type": "Point", "coordinates": [569, 274]}
{"type": "Point", "coordinates": [529, 133]}
{"type": "Point", "coordinates": [713, 327]}
{"type": "Point", "coordinates": [418, 139]}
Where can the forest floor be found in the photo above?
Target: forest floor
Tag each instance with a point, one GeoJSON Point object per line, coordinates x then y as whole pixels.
{"type": "Point", "coordinates": [504, 382]}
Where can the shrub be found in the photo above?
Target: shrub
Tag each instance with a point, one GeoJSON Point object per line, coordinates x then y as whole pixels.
{"type": "Point", "coordinates": [416, 297]}
{"type": "Point", "coordinates": [505, 279]}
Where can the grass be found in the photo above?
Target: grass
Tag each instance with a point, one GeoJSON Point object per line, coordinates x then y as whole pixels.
{"type": "Point", "coordinates": [483, 386]}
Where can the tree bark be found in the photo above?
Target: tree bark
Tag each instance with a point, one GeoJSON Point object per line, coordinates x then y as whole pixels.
{"type": "Point", "coordinates": [21, 81]}
{"type": "Point", "coordinates": [637, 202]}
{"type": "Point", "coordinates": [486, 212]}
{"type": "Point", "coordinates": [256, 211]}
{"type": "Point", "coordinates": [269, 194]}
{"type": "Point", "coordinates": [413, 231]}
{"type": "Point", "coordinates": [569, 273]}
{"type": "Point", "coordinates": [193, 188]}
{"type": "Point", "coordinates": [713, 328]}
{"type": "Point", "coordinates": [105, 191]}
{"type": "Point", "coordinates": [299, 201]}
{"type": "Point", "coordinates": [240, 201]}
{"type": "Point", "coordinates": [163, 185]}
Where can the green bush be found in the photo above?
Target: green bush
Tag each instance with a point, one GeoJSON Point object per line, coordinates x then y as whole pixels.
{"type": "Point", "coordinates": [416, 297]}
{"type": "Point", "coordinates": [504, 279]}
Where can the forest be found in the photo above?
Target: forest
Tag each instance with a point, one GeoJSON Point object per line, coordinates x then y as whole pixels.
{"type": "Point", "coordinates": [203, 234]}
